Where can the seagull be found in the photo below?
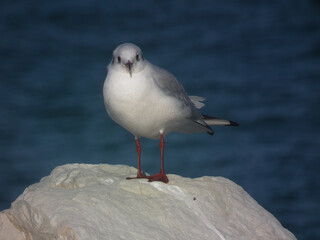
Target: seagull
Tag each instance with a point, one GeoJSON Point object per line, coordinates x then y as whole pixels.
{"type": "Point", "coordinates": [149, 102]}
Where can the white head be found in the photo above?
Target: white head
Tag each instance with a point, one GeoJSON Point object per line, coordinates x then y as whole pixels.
{"type": "Point", "coordinates": [128, 58]}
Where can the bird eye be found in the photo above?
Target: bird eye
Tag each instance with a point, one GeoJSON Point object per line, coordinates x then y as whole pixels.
{"type": "Point", "coordinates": [137, 57]}
{"type": "Point", "coordinates": [119, 59]}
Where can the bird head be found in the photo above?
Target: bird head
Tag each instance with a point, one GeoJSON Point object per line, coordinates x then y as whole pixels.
{"type": "Point", "coordinates": [128, 58]}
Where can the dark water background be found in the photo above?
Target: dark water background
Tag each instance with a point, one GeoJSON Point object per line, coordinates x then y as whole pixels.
{"type": "Point", "coordinates": [256, 62]}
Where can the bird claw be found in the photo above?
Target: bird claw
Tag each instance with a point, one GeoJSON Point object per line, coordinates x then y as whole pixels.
{"type": "Point", "coordinates": [162, 177]}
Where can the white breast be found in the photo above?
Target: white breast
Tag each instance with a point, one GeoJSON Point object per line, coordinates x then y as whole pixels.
{"type": "Point", "coordinates": [138, 105]}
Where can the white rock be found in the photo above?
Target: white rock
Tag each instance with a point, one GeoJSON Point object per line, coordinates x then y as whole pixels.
{"type": "Point", "coordinates": [79, 201]}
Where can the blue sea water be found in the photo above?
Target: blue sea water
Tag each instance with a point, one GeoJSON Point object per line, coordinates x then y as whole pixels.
{"type": "Point", "coordinates": [255, 62]}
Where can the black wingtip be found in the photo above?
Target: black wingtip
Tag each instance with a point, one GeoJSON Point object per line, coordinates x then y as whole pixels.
{"type": "Point", "coordinates": [211, 133]}
{"type": "Point", "coordinates": [233, 124]}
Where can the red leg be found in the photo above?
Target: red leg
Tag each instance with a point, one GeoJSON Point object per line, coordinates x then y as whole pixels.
{"type": "Point", "coordinates": [139, 174]}
{"type": "Point", "coordinates": [161, 176]}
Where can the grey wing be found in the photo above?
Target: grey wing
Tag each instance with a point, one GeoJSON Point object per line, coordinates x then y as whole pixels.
{"type": "Point", "coordinates": [168, 83]}
{"type": "Point", "coordinates": [171, 86]}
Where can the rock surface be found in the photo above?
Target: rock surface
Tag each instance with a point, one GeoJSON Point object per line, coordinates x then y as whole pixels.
{"type": "Point", "coordinates": [79, 201]}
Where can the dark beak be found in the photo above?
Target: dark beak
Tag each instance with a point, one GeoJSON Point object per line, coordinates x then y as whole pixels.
{"type": "Point", "coordinates": [129, 66]}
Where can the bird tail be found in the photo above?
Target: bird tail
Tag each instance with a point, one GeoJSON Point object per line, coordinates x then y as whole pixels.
{"type": "Point", "coordinates": [218, 121]}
